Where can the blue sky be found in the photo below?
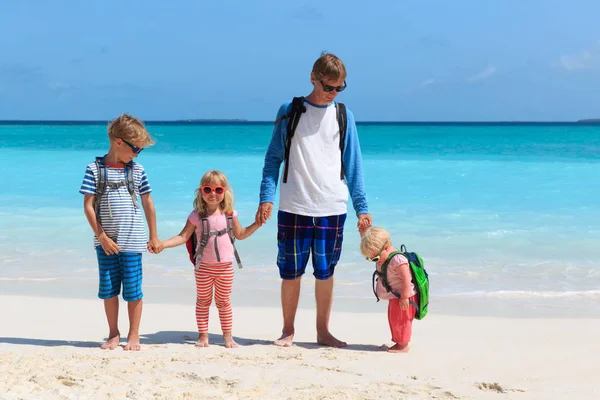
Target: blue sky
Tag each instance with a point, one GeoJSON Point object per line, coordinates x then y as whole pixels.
{"type": "Point", "coordinates": [406, 59]}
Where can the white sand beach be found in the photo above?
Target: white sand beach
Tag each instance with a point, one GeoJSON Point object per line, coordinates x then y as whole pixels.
{"type": "Point", "coordinates": [49, 349]}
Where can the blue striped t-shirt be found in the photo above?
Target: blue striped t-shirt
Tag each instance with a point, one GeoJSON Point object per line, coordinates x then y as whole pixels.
{"type": "Point", "coordinates": [121, 221]}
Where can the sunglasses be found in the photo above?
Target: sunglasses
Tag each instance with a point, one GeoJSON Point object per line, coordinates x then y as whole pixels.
{"type": "Point", "coordinates": [378, 256]}
{"type": "Point", "coordinates": [134, 148]}
{"type": "Point", "coordinates": [329, 88]}
{"type": "Point", "coordinates": [210, 189]}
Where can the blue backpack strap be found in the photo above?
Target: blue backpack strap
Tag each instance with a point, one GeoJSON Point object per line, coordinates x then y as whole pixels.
{"type": "Point", "coordinates": [342, 119]}
{"type": "Point", "coordinates": [130, 184]}
{"type": "Point", "coordinates": [201, 244]}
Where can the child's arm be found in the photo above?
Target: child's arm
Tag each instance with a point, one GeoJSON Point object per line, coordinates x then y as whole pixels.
{"type": "Point", "coordinates": [108, 245]}
{"type": "Point", "coordinates": [406, 289]}
{"type": "Point", "coordinates": [150, 213]}
{"type": "Point", "coordinates": [241, 233]}
{"type": "Point", "coordinates": [180, 239]}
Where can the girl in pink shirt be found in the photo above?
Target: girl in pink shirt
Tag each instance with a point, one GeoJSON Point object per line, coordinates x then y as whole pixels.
{"type": "Point", "coordinates": [376, 246]}
{"type": "Point", "coordinates": [214, 270]}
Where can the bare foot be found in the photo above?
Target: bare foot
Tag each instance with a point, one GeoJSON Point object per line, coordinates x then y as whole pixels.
{"type": "Point", "coordinates": [111, 343]}
{"type": "Point", "coordinates": [328, 339]}
{"type": "Point", "coordinates": [285, 340]}
{"type": "Point", "coordinates": [133, 342]}
{"type": "Point", "coordinates": [229, 342]}
{"type": "Point", "coordinates": [398, 348]}
{"type": "Point", "coordinates": [202, 340]}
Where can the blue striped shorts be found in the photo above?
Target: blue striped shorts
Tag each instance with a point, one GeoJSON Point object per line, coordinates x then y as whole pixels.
{"type": "Point", "coordinates": [299, 236]}
{"type": "Point", "coordinates": [122, 268]}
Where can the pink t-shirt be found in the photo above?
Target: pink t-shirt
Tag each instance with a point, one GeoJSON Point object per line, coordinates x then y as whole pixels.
{"type": "Point", "coordinates": [394, 277]}
{"type": "Point", "coordinates": [216, 222]}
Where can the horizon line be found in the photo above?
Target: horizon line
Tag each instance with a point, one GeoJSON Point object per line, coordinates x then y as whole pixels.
{"type": "Point", "coordinates": [225, 121]}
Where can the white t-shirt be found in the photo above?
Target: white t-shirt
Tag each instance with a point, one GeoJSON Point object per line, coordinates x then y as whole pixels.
{"type": "Point", "coordinates": [314, 187]}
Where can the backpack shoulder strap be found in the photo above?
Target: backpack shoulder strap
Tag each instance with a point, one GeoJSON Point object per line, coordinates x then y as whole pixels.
{"type": "Point", "coordinates": [229, 217]}
{"type": "Point", "coordinates": [297, 105]}
{"type": "Point", "coordinates": [232, 238]}
{"type": "Point", "coordinates": [376, 275]}
{"type": "Point", "coordinates": [101, 182]}
{"type": "Point", "coordinates": [384, 267]}
{"type": "Point", "coordinates": [101, 179]}
{"type": "Point", "coordinates": [342, 119]}
{"type": "Point", "coordinates": [129, 178]}
{"type": "Point", "coordinates": [296, 110]}
{"type": "Point", "coordinates": [201, 244]}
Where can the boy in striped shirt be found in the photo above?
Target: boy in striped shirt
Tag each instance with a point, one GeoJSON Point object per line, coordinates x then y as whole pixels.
{"type": "Point", "coordinates": [111, 188]}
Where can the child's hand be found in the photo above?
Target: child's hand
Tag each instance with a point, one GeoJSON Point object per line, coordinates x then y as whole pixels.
{"type": "Point", "coordinates": [155, 246]}
{"type": "Point", "coordinates": [263, 213]}
{"type": "Point", "coordinates": [404, 304]}
{"type": "Point", "coordinates": [108, 245]}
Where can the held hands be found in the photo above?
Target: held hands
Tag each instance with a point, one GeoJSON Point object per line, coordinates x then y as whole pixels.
{"type": "Point", "coordinates": [155, 246]}
{"type": "Point", "coordinates": [364, 222]}
{"type": "Point", "coordinates": [263, 213]}
{"type": "Point", "coordinates": [108, 245]}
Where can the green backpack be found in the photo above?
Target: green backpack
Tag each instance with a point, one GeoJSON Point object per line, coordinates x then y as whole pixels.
{"type": "Point", "coordinates": [420, 278]}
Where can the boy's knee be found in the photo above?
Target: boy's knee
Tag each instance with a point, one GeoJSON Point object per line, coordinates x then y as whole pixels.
{"type": "Point", "coordinates": [324, 274]}
{"type": "Point", "coordinates": [132, 293]}
{"type": "Point", "coordinates": [105, 295]}
{"type": "Point", "coordinates": [134, 299]}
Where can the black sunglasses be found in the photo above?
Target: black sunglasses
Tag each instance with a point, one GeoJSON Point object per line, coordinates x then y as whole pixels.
{"type": "Point", "coordinates": [134, 148]}
{"type": "Point", "coordinates": [329, 88]}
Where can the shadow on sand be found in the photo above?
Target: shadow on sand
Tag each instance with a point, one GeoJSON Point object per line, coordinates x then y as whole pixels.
{"type": "Point", "coordinates": [176, 337]}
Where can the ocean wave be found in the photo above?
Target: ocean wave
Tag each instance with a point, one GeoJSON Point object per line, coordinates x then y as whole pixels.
{"type": "Point", "coordinates": [504, 294]}
{"type": "Point", "coordinates": [29, 279]}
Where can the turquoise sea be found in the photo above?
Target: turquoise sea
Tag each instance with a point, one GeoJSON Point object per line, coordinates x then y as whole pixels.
{"type": "Point", "coordinates": [506, 216]}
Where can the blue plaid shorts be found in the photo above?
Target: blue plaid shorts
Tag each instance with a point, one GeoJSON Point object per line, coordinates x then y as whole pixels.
{"type": "Point", "coordinates": [299, 236]}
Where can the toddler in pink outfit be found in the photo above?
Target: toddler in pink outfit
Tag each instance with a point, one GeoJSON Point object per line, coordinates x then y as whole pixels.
{"type": "Point", "coordinates": [376, 246]}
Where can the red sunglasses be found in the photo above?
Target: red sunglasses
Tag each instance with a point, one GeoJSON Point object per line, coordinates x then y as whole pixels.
{"type": "Point", "coordinates": [210, 189]}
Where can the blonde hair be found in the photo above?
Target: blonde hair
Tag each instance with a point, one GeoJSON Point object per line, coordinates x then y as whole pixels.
{"type": "Point", "coordinates": [373, 240]}
{"type": "Point", "coordinates": [129, 128]}
{"type": "Point", "coordinates": [214, 178]}
{"type": "Point", "coordinates": [329, 66]}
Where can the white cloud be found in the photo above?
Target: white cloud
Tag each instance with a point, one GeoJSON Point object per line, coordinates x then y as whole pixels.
{"type": "Point", "coordinates": [483, 75]}
{"type": "Point", "coordinates": [427, 82]}
{"type": "Point", "coordinates": [586, 59]}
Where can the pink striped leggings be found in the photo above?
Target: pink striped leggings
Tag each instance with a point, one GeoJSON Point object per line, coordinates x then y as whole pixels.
{"type": "Point", "coordinates": [220, 277]}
